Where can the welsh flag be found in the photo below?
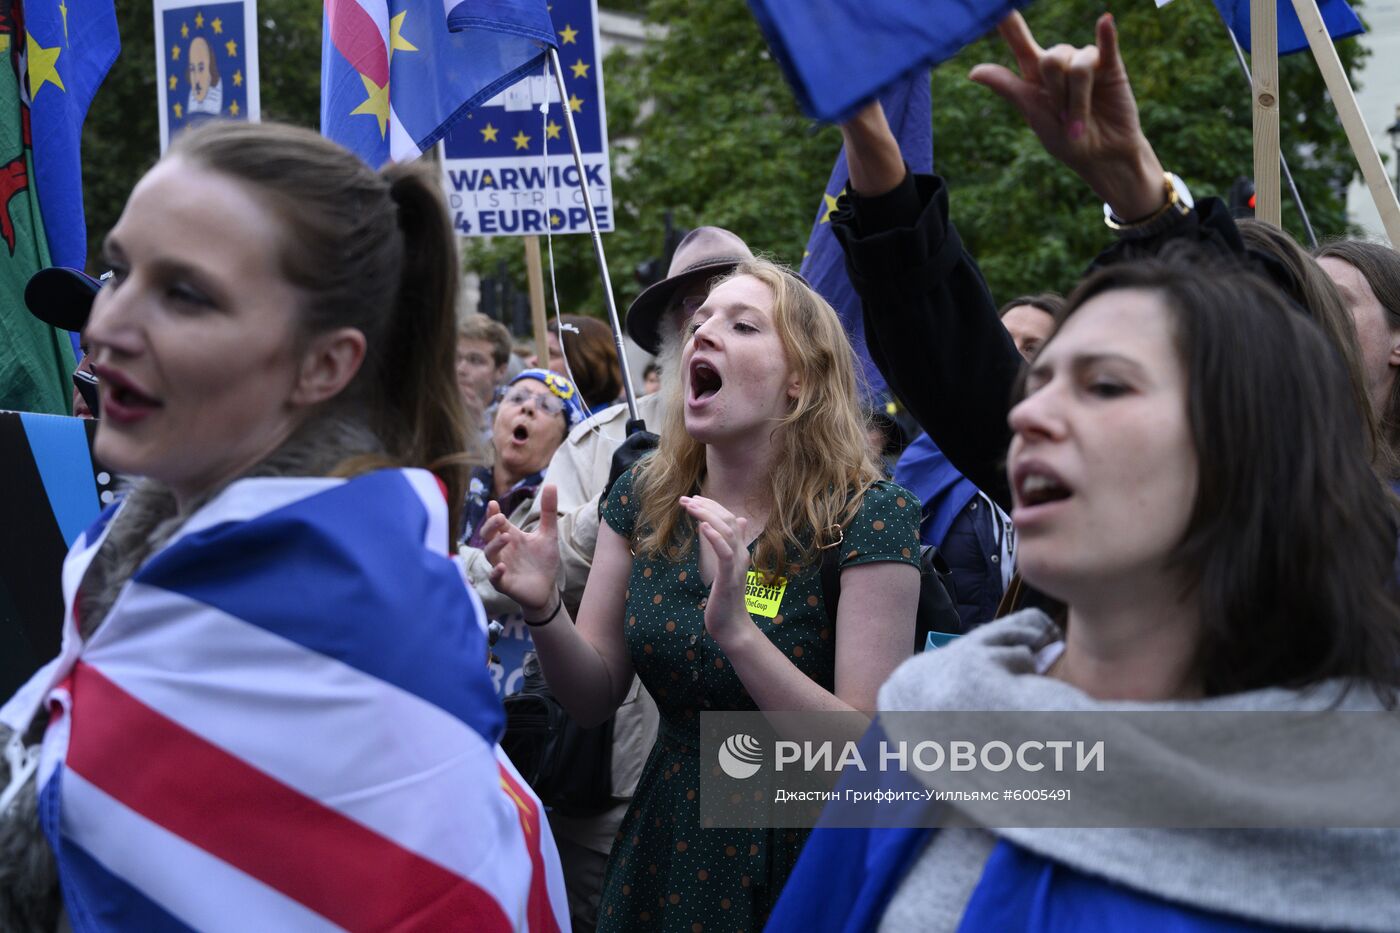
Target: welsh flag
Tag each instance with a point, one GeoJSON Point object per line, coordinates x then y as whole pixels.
{"type": "Point", "coordinates": [35, 359]}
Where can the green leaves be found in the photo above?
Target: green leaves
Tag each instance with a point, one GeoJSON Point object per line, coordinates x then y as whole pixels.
{"type": "Point", "coordinates": [121, 138]}
{"type": "Point", "coordinates": [1034, 226]}
{"type": "Point", "coordinates": [702, 124]}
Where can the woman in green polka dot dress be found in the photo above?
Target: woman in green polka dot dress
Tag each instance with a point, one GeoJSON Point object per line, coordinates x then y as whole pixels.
{"type": "Point", "coordinates": [763, 462]}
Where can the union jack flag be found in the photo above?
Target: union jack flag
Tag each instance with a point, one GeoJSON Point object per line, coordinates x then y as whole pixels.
{"type": "Point", "coordinates": [286, 722]}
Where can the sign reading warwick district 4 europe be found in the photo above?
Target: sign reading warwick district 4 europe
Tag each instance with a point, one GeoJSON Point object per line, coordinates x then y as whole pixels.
{"type": "Point", "coordinates": [495, 172]}
{"type": "Point", "coordinates": [206, 63]}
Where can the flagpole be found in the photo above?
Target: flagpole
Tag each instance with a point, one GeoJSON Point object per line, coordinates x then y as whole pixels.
{"type": "Point", "coordinates": [597, 236]}
{"type": "Point", "coordinates": [539, 322]}
{"type": "Point", "coordinates": [1282, 161]}
{"type": "Point", "coordinates": [1363, 147]}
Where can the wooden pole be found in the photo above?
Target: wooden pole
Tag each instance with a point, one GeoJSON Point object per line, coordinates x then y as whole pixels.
{"type": "Point", "coordinates": [535, 274]}
{"type": "Point", "coordinates": [1282, 162]}
{"type": "Point", "coordinates": [1344, 99]}
{"type": "Point", "coordinates": [1263, 37]}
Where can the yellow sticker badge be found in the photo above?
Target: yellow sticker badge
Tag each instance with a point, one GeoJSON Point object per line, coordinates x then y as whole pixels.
{"type": "Point", "coordinates": [761, 599]}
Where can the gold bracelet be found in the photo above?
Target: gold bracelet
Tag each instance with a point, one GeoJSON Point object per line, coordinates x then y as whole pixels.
{"type": "Point", "coordinates": [1116, 223]}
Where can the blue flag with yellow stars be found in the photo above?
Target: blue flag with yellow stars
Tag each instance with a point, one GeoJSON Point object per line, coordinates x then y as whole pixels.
{"type": "Point", "coordinates": [1341, 21]}
{"type": "Point", "coordinates": [837, 54]}
{"type": "Point", "coordinates": [909, 109]}
{"type": "Point", "coordinates": [206, 64]}
{"type": "Point", "coordinates": [508, 164]}
{"type": "Point", "coordinates": [395, 74]}
{"type": "Point", "coordinates": [69, 45]}
{"type": "Point", "coordinates": [502, 128]}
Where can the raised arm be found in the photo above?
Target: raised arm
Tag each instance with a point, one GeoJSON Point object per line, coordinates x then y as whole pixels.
{"type": "Point", "coordinates": [1079, 103]}
{"type": "Point", "coordinates": [872, 152]}
{"type": "Point", "coordinates": [931, 326]}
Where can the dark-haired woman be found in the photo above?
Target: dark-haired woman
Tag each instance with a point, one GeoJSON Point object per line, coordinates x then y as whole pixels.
{"type": "Point", "coordinates": [270, 710]}
{"type": "Point", "coordinates": [1029, 320]}
{"type": "Point", "coordinates": [1221, 544]}
{"type": "Point", "coordinates": [1368, 277]}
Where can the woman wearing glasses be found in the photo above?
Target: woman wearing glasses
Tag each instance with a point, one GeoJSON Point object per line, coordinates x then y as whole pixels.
{"type": "Point", "coordinates": [536, 413]}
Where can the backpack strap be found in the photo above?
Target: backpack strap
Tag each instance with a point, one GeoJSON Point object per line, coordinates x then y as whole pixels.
{"type": "Point", "coordinates": [831, 581]}
{"type": "Point", "coordinates": [935, 611]}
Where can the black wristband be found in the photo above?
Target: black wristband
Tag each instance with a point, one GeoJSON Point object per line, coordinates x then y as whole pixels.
{"type": "Point", "coordinates": [546, 621]}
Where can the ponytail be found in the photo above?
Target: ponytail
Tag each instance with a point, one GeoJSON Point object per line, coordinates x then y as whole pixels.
{"type": "Point", "coordinates": [420, 413]}
{"type": "Point", "coordinates": [370, 250]}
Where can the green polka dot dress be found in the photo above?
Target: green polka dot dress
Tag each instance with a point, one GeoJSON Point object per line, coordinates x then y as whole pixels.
{"type": "Point", "coordinates": [666, 871]}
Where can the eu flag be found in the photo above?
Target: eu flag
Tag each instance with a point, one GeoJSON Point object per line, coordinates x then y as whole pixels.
{"type": "Point", "coordinates": [69, 46]}
{"type": "Point", "coordinates": [512, 129]}
{"type": "Point", "coordinates": [1341, 21]}
{"type": "Point", "coordinates": [837, 54]}
{"type": "Point", "coordinates": [395, 74]}
{"type": "Point", "coordinates": [909, 110]}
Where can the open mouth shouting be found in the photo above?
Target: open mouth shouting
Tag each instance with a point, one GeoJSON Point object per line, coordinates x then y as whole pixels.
{"type": "Point", "coordinates": [1037, 489]}
{"type": "Point", "coordinates": [705, 382]}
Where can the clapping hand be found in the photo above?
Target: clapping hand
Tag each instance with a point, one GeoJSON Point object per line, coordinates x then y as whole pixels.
{"type": "Point", "coordinates": [727, 539]}
{"type": "Point", "coordinates": [525, 565]}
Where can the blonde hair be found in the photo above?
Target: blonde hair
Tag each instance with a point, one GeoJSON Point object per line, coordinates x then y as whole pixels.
{"type": "Point", "coordinates": [821, 464]}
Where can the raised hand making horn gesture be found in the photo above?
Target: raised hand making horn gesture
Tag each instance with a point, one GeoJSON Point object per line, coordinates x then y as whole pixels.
{"type": "Point", "coordinates": [1081, 106]}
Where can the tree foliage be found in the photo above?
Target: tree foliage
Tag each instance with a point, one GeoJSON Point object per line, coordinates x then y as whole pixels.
{"type": "Point", "coordinates": [121, 138]}
{"type": "Point", "coordinates": [703, 125]}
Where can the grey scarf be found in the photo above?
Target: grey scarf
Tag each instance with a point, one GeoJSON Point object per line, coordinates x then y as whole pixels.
{"type": "Point", "coordinates": [1321, 878]}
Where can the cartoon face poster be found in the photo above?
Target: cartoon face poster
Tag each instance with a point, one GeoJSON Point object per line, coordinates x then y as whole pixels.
{"type": "Point", "coordinates": [206, 63]}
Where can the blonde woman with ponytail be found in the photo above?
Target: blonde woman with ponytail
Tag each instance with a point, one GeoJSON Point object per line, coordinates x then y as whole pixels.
{"type": "Point", "coordinates": [763, 465]}
{"type": "Point", "coordinates": [272, 707]}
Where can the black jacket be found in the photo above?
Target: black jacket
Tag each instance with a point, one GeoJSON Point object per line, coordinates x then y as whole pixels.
{"type": "Point", "coordinates": [931, 324]}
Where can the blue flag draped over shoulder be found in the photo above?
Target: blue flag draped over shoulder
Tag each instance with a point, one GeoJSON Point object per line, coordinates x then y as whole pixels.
{"type": "Point", "coordinates": [837, 54]}
{"type": "Point", "coordinates": [909, 110]}
{"type": "Point", "coordinates": [1341, 21]}
{"type": "Point", "coordinates": [395, 74]}
{"type": "Point", "coordinates": [69, 46]}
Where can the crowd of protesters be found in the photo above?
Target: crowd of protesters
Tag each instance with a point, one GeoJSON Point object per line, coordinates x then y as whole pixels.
{"type": "Point", "coordinates": [1173, 489]}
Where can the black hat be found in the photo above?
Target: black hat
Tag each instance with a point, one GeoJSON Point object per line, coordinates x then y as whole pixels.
{"type": "Point", "coordinates": [61, 296]}
{"type": "Point", "coordinates": [706, 252]}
